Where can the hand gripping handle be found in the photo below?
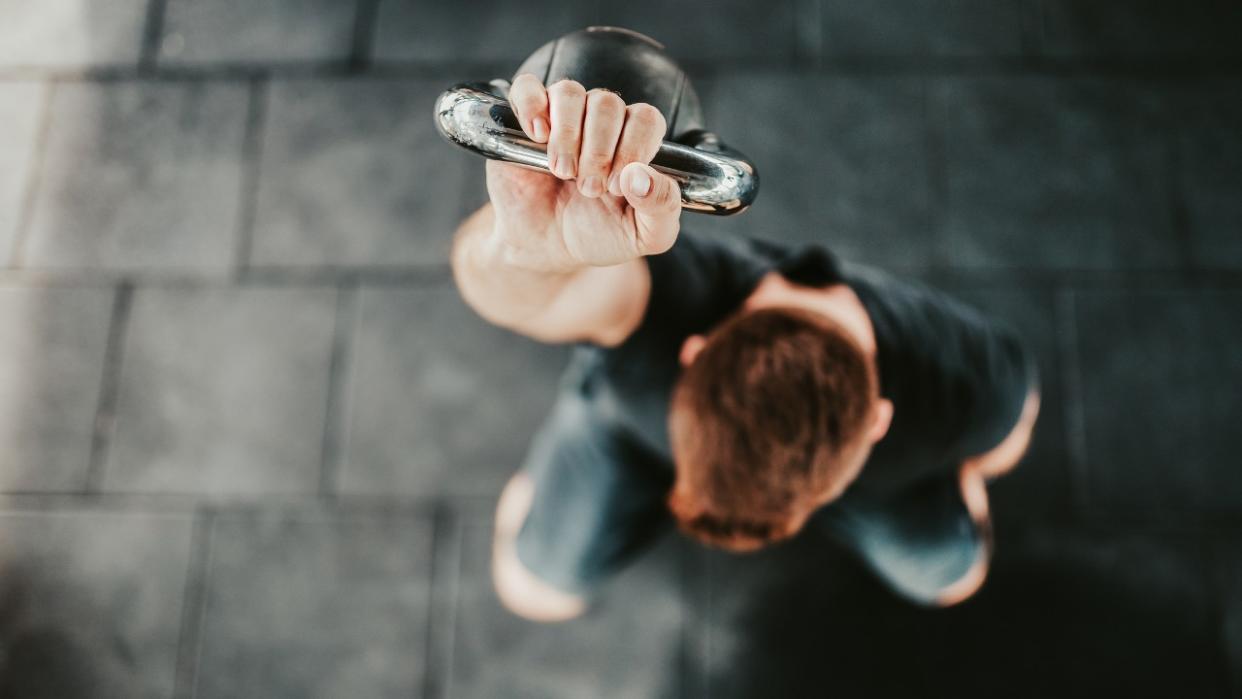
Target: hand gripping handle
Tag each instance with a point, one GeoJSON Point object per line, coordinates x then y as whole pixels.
{"type": "Point", "coordinates": [714, 179]}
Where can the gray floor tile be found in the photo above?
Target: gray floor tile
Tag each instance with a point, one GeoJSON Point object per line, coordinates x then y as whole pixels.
{"type": "Point", "coordinates": [140, 175]}
{"type": "Point", "coordinates": [51, 370]}
{"type": "Point", "coordinates": [91, 603]}
{"type": "Point", "coordinates": [1160, 371]}
{"type": "Point", "coordinates": [1210, 159]}
{"type": "Point", "coordinates": [794, 620]}
{"type": "Point", "coordinates": [354, 173]}
{"type": "Point", "coordinates": [847, 168]}
{"type": "Point", "coordinates": [1054, 173]}
{"type": "Point", "coordinates": [71, 33]}
{"type": "Point", "coordinates": [21, 107]}
{"type": "Point", "coordinates": [223, 391]}
{"type": "Point", "coordinates": [313, 605]}
{"type": "Point", "coordinates": [723, 31]}
{"type": "Point", "coordinates": [1041, 486]}
{"type": "Point", "coordinates": [236, 31]}
{"type": "Point", "coordinates": [485, 30]}
{"type": "Point", "coordinates": [1229, 558]}
{"type": "Point", "coordinates": [902, 28]}
{"type": "Point", "coordinates": [1126, 28]}
{"type": "Point", "coordinates": [626, 645]}
{"type": "Point", "coordinates": [440, 401]}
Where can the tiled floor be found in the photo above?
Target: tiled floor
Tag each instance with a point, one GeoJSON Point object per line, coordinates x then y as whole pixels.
{"type": "Point", "coordinates": [250, 436]}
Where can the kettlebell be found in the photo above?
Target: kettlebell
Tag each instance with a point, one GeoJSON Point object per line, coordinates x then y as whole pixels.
{"type": "Point", "coordinates": [713, 178]}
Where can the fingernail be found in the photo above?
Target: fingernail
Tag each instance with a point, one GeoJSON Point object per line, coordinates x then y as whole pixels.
{"type": "Point", "coordinates": [540, 128]}
{"type": "Point", "coordinates": [614, 185]}
{"type": "Point", "coordinates": [593, 186]}
{"type": "Point", "coordinates": [552, 163]}
{"type": "Point", "coordinates": [640, 182]}
{"type": "Point", "coordinates": [564, 167]}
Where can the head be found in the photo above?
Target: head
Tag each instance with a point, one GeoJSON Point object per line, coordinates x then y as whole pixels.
{"type": "Point", "coordinates": [774, 415]}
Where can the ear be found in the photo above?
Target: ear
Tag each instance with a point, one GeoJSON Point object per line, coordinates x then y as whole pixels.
{"type": "Point", "coordinates": [691, 348]}
{"type": "Point", "coordinates": [883, 419]}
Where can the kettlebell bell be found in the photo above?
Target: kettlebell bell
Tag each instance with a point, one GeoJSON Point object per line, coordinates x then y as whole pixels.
{"type": "Point", "coordinates": [713, 178]}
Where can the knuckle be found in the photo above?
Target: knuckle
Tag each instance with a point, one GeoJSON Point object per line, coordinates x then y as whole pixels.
{"type": "Point", "coordinates": [596, 160]}
{"type": "Point", "coordinates": [646, 116]}
{"type": "Point", "coordinates": [605, 101]}
{"type": "Point", "coordinates": [567, 89]}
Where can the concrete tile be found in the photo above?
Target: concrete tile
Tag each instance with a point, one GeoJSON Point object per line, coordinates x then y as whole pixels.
{"type": "Point", "coordinates": [315, 604]}
{"type": "Point", "coordinates": [1054, 173]}
{"type": "Point", "coordinates": [484, 30]}
{"type": "Point", "coordinates": [71, 33]}
{"type": "Point", "coordinates": [440, 401]}
{"type": "Point", "coordinates": [51, 371]}
{"type": "Point", "coordinates": [91, 603]}
{"type": "Point", "coordinates": [223, 390]}
{"type": "Point", "coordinates": [723, 31]}
{"type": "Point", "coordinates": [1070, 612]}
{"type": "Point", "coordinates": [1209, 144]}
{"type": "Point", "coordinates": [354, 173]}
{"type": "Point", "coordinates": [21, 108]}
{"type": "Point", "coordinates": [1160, 371]}
{"type": "Point", "coordinates": [848, 168]}
{"type": "Point", "coordinates": [626, 645]}
{"type": "Point", "coordinates": [900, 28]}
{"type": "Point", "coordinates": [1041, 488]}
{"type": "Point", "coordinates": [140, 175]}
{"type": "Point", "coordinates": [1146, 28]}
{"type": "Point", "coordinates": [236, 31]}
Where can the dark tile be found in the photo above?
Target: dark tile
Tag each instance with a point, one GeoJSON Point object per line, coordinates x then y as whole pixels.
{"type": "Point", "coordinates": [1160, 371]}
{"type": "Point", "coordinates": [1042, 486]}
{"type": "Point", "coordinates": [140, 175]}
{"type": "Point", "coordinates": [626, 645]}
{"type": "Point", "coordinates": [315, 605]}
{"type": "Point", "coordinates": [848, 167]}
{"type": "Point", "coordinates": [1210, 159]}
{"type": "Point", "coordinates": [1147, 28]}
{"type": "Point", "coordinates": [223, 390]}
{"type": "Point", "coordinates": [902, 28]}
{"type": "Point", "coordinates": [723, 31]}
{"type": "Point", "coordinates": [235, 31]}
{"type": "Point", "coordinates": [439, 400]}
{"type": "Point", "coordinates": [354, 173]}
{"type": "Point", "coordinates": [1229, 557]}
{"type": "Point", "coordinates": [90, 603]}
{"type": "Point", "coordinates": [1054, 173]}
{"type": "Point", "coordinates": [21, 107]}
{"type": "Point", "coordinates": [487, 30]}
{"type": "Point", "coordinates": [1069, 613]}
{"type": "Point", "coordinates": [51, 370]}
{"type": "Point", "coordinates": [71, 33]}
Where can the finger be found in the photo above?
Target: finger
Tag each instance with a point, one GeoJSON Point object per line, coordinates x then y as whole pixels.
{"type": "Point", "coordinates": [530, 103]}
{"type": "Point", "coordinates": [567, 102]}
{"type": "Point", "coordinates": [656, 202]}
{"type": "Point", "coordinates": [640, 141]}
{"type": "Point", "coordinates": [605, 115]}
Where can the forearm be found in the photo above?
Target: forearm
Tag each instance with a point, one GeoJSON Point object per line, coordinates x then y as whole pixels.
{"type": "Point", "coordinates": [585, 303]}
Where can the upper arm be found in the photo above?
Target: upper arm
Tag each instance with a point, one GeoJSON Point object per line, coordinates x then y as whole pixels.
{"type": "Point", "coordinates": [1004, 456]}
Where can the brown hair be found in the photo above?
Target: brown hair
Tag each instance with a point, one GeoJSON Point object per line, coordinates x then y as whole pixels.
{"type": "Point", "coordinates": [767, 418]}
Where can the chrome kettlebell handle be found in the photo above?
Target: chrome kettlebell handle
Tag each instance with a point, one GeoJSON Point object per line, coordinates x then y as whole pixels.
{"type": "Point", "coordinates": [714, 179]}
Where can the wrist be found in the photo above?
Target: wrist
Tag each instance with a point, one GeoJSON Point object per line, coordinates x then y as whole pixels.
{"type": "Point", "coordinates": [500, 247]}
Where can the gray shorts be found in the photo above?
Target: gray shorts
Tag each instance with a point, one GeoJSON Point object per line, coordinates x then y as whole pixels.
{"type": "Point", "coordinates": [600, 500]}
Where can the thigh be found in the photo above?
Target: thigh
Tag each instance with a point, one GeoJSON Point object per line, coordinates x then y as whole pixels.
{"type": "Point", "coordinates": [920, 540]}
{"type": "Point", "coordinates": [599, 498]}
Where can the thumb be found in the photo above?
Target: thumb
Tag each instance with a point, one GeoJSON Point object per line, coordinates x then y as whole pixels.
{"type": "Point", "coordinates": [656, 201]}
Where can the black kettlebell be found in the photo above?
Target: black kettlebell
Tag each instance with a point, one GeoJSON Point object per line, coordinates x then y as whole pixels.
{"type": "Point", "coordinates": [713, 178]}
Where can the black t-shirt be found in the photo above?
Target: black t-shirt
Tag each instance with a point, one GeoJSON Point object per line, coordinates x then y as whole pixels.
{"type": "Point", "coordinates": [957, 380]}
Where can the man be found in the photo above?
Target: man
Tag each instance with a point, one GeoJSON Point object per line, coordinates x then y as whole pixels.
{"type": "Point", "coordinates": [745, 390]}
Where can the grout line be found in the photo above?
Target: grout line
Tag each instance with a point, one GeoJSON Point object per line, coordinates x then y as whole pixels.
{"type": "Point", "coordinates": [809, 33]}
{"type": "Point", "coordinates": [251, 162]}
{"type": "Point", "coordinates": [152, 36]}
{"type": "Point", "coordinates": [34, 175]}
{"type": "Point", "coordinates": [365, 25]}
{"type": "Point", "coordinates": [1179, 211]}
{"type": "Point", "coordinates": [109, 390]}
{"type": "Point", "coordinates": [1032, 28]}
{"type": "Point", "coordinates": [1072, 391]}
{"type": "Point", "coordinates": [193, 604]}
{"type": "Point", "coordinates": [447, 543]}
{"type": "Point", "coordinates": [335, 414]}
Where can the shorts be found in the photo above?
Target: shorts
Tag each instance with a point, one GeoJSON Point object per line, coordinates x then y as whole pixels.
{"type": "Point", "coordinates": [600, 500]}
